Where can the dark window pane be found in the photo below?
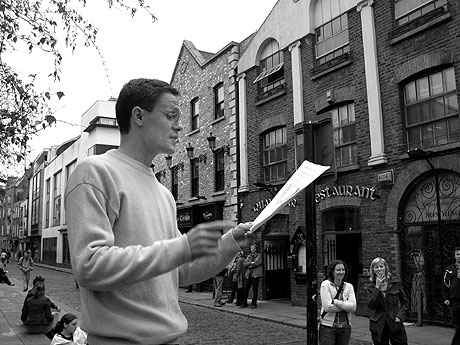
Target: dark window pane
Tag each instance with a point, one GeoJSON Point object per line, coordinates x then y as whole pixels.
{"type": "Point", "coordinates": [424, 109]}
{"type": "Point", "coordinates": [410, 93]}
{"type": "Point", "coordinates": [437, 108]}
{"type": "Point", "coordinates": [454, 129]}
{"type": "Point", "coordinates": [413, 114]}
{"type": "Point", "coordinates": [319, 35]}
{"type": "Point", "coordinates": [451, 104]}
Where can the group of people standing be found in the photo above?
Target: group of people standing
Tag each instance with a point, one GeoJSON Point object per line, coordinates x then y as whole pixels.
{"type": "Point", "coordinates": [387, 306]}
{"type": "Point", "coordinates": [244, 273]}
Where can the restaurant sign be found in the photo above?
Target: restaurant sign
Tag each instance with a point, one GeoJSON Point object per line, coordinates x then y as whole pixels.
{"type": "Point", "coordinates": [348, 190]}
{"type": "Point", "coordinates": [260, 205]}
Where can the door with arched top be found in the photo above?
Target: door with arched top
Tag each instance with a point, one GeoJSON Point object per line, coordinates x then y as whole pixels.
{"type": "Point", "coordinates": [428, 240]}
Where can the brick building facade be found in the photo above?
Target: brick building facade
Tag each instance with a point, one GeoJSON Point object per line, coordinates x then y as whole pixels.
{"type": "Point", "coordinates": [379, 85]}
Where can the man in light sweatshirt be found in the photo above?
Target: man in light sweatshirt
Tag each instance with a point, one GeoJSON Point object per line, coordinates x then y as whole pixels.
{"type": "Point", "coordinates": [127, 253]}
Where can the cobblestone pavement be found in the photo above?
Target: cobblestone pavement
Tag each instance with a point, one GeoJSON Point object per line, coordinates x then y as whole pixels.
{"type": "Point", "coordinates": [206, 326]}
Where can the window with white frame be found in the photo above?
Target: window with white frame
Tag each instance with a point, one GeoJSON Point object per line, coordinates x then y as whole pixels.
{"type": "Point", "coordinates": [219, 182]}
{"type": "Point", "coordinates": [331, 29]}
{"type": "Point", "coordinates": [408, 10]}
{"type": "Point", "coordinates": [57, 198]}
{"type": "Point", "coordinates": [344, 133]}
{"type": "Point", "coordinates": [431, 110]}
{"type": "Point", "coordinates": [271, 69]}
{"type": "Point", "coordinates": [195, 113]}
{"type": "Point", "coordinates": [274, 158]}
{"type": "Point", "coordinates": [35, 199]}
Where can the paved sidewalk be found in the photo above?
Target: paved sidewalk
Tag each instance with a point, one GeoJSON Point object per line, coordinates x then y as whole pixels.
{"type": "Point", "coordinates": [284, 312]}
{"type": "Point", "coordinates": [12, 332]}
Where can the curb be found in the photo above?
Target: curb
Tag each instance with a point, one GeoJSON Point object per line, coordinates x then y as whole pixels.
{"type": "Point", "coordinates": [54, 268]}
{"type": "Point", "coordinates": [249, 316]}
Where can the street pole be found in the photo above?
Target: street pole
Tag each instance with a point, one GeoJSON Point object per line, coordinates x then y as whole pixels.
{"type": "Point", "coordinates": [310, 227]}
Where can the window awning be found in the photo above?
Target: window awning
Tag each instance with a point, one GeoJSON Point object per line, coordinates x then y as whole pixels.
{"type": "Point", "coordinates": [268, 72]}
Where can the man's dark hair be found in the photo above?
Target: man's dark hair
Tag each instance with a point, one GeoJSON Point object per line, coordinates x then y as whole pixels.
{"type": "Point", "coordinates": [38, 279]}
{"type": "Point", "coordinates": [331, 268]}
{"type": "Point", "coordinates": [141, 92]}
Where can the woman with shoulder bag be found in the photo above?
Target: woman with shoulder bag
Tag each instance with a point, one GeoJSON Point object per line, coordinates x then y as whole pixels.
{"type": "Point", "coordinates": [387, 306]}
{"type": "Point", "coordinates": [338, 301]}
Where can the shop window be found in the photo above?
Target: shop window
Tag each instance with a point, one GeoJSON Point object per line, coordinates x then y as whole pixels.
{"type": "Point", "coordinates": [49, 249]}
{"type": "Point", "coordinates": [274, 158]}
{"type": "Point", "coordinates": [175, 182]}
{"type": "Point", "coordinates": [431, 110]}
{"type": "Point", "coordinates": [341, 219]}
{"type": "Point", "coordinates": [195, 113]}
{"type": "Point", "coordinates": [408, 10]}
{"type": "Point", "coordinates": [219, 170]}
{"type": "Point", "coordinates": [195, 172]}
{"type": "Point", "coordinates": [219, 101]}
{"type": "Point", "coordinates": [344, 134]}
{"type": "Point", "coordinates": [271, 70]}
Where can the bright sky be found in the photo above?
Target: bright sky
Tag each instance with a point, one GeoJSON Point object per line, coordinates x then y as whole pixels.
{"type": "Point", "coordinates": [139, 48]}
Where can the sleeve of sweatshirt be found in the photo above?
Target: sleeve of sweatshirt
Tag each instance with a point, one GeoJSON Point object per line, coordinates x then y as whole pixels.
{"type": "Point", "coordinates": [207, 267]}
{"type": "Point", "coordinates": [100, 265]}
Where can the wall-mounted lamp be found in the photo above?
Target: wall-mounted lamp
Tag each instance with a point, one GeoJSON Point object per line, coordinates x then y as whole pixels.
{"type": "Point", "coordinates": [189, 149]}
{"type": "Point", "coordinates": [168, 159]}
{"type": "Point", "coordinates": [212, 141]}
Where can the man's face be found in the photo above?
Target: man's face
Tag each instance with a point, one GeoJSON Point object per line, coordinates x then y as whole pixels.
{"type": "Point", "coordinates": [161, 128]}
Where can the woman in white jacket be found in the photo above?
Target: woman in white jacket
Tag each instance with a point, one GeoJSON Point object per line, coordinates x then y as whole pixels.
{"type": "Point", "coordinates": [68, 333]}
{"type": "Point", "coordinates": [337, 303]}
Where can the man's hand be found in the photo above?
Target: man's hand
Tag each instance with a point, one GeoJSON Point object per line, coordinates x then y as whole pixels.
{"type": "Point", "coordinates": [447, 302]}
{"type": "Point", "coordinates": [241, 235]}
{"type": "Point", "coordinates": [203, 238]}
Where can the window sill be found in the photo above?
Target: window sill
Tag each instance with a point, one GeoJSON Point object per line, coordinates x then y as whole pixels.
{"type": "Point", "coordinates": [271, 97]}
{"type": "Point", "coordinates": [331, 66]}
{"type": "Point", "coordinates": [195, 131]}
{"type": "Point", "coordinates": [436, 149]}
{"type": "Point", "coordinates": [222, 118]}
{"type": "Point", "coordinates": [222, 192]}
{"type": "Point", "coordinates": [418, 25]}
{"type": "Point", "coordinates": [348, 168]}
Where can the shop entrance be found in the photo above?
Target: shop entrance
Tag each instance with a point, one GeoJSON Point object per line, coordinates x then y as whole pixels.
{"type": "Point", "coordinates": [275, 255]}
{"type": "Point", "coordinates": [428, 242]}
{"type": "Point", "coordinates": [342, 240]}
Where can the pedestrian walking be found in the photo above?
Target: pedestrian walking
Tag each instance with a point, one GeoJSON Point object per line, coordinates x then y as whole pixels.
{"type": "Point", "coordinates": [387, 305]}
{"type": "Point", "coordinates": [4, 278]}
{"type": "Point", "coordinates": [233, 275]}
{"type": "Point", "coordinates": [67, 332]}
{"type": "Point", "coordinates": [451, 293]}
{"type": "Point", "coordinates": [127, 253]}
{"type": "Point", "coordinates": [338, 301]}
{"type": "Point", "coordinates": [26, 266]}
{"type": "Point", "coordinates": [218, 286]}
{"type": "Point", "coordinates": [37, 313]}
{"type": "Point", "coordinates": [253, 273]}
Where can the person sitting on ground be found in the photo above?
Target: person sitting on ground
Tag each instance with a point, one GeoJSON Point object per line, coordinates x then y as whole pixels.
{"type": "Point", "coordinates": [36, 312]}
{"type": "Point", "coordinates": [4, 278]}
{"type": "Point", "coordinates": [67, 332]}
{"type": "Point", "coordinates": [39, 281]}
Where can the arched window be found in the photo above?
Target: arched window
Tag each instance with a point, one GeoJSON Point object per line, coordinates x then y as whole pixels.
{"type": "Point", "coordinates": [408, 10]}
{"type": "Point", "coordinates": [331, 29]}
{"type": "Point", "coordinates": [271, 69]}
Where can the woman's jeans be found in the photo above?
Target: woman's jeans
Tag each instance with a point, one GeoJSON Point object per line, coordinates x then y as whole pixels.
{"type": "Point", "coordinates": [334, 335]}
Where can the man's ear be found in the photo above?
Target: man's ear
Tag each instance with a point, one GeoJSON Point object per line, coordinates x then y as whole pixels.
{"type": "Point", "coordinates": [137, 115]}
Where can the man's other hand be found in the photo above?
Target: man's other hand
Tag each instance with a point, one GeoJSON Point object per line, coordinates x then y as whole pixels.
{"type": "Point", "coordinates": [241, 235]}
{"type": "Point", "coordinates": [203, 238]}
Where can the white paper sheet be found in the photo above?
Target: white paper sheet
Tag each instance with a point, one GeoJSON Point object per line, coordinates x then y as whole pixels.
{"type": "Point", "coordinates": [305, 174]}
